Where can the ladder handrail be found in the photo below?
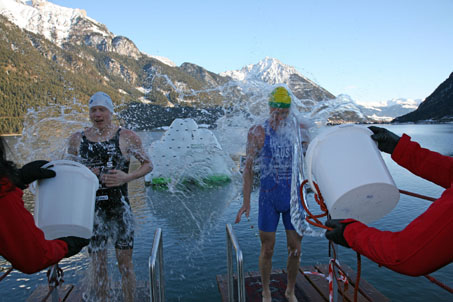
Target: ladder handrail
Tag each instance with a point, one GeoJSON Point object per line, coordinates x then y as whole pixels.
{"type": "Point", "coordinates": [232, 242]}
{"type": "Point", "coordinates": [157, 293]}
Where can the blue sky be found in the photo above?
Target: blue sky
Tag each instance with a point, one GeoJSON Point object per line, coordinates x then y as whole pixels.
{"type": "Point", "coordinates": [372, 50]}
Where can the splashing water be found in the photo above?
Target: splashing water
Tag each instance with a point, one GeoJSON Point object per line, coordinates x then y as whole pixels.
{"type": "Point", "coordinates": [298, 127]}
{"type": "Point", "coordinates": [46, 132]}
{"type": "Point", "coordinates": [45, 137]}
{"type": "Point", "coordinates": [187, 153]}
{"type": "Point", "coordinates": [190, 211]}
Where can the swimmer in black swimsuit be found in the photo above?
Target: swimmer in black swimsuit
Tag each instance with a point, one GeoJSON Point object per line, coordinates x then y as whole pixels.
{"type": "Point", "coordinates": [107, 149]}
{"type": "Point", "coordinates": [113, 212]}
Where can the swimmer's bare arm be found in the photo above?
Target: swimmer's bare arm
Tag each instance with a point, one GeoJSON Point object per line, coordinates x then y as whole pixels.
{"type": "Point", "coordinates": [255, 142]}
{"type": "Point", "coordinates": [130, 144]}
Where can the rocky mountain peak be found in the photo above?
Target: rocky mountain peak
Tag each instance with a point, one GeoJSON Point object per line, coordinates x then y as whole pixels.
{"type": "Point", "coordinates": [124, 46]}
{"type": "Point", "coordinates": [83, 44]}
{"type": "Point", "coordinates": [42, 17]}
{"type": "Point", "coordinates": [202, 74]}
{"type": "Point", "coordinates": [272, 71]}
{"type": "Point", "coordinates": [62, 25]}
{"type": "Point", "coordinates": [269, 70]}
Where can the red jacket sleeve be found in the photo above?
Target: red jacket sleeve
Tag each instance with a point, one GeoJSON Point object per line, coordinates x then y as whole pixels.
{"type": "Point", "coordinates": [425, 244]}
{"type": "Point", "coordinates": [423, 162]}
{"type": "Point", "coordinates": [22, 243]}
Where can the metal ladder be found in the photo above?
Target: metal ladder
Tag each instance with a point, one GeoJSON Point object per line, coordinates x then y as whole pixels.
{"type": "Point", "coordinates": [157, 286]}
{"type": "Point", "coordinates": [232, 242]}
{"type": "Point", "coordinates": [156, 275]}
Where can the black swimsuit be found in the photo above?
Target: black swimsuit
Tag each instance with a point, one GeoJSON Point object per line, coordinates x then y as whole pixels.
{"type": "Point", "coordinates": [113, 213]}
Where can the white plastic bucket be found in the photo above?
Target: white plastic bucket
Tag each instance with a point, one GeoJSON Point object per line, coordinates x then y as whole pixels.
{"type": "Point", "coordinates": [64, 204]}
{"type": "Point", "coordinates": [351, 174]}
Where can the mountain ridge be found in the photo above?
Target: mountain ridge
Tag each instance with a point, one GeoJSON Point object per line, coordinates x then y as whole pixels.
{"type": "Point", "coordinates": [103, 61]}
{"type": "Point", "coordinates": [115, 64]}
{"type": "Point", "coordinates": [437, 107]}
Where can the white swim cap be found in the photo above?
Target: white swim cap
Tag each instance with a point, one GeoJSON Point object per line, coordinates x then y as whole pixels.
{"type": "Point", "coordinates": [101, 99]}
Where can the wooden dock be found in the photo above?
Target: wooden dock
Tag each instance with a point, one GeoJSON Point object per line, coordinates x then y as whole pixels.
{"type": "Point", "coordinates": [72, 293]}
{"type": "Point", "coordinates": [311, 285]}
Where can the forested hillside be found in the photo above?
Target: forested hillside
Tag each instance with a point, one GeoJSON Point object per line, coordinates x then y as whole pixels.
{"type": "Point", "coordinates": [38, 74]}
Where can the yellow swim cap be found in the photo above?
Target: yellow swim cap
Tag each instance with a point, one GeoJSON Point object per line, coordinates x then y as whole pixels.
{"type": "Point", "coordinates": [280, 98]}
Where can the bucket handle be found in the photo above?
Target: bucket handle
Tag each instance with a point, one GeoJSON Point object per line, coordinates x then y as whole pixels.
{"type": "Point", "coordinates": [309, 160]}
{"type": "Point", "coordinates": [64, 162]}
{"type": "Point", "coordinates": [33, 186]}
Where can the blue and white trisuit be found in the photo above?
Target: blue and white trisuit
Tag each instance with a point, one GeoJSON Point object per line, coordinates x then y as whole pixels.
{"type": "Point", "coordinates": [275, 161]}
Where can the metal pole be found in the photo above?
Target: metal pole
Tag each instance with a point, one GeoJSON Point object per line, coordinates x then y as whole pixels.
{"type": "Point", "coordinates": [241, 281]}
{"type": "Point", "coordinates": [336, 273]}
{"type": "Point", "coordinates": [161, 269]}
{"type": "Point", "coordinates": [157, 290]}
{"type": "Point", "coordinates": [232, 241]}
{"type": "Point", "coordinates": [229, 268]}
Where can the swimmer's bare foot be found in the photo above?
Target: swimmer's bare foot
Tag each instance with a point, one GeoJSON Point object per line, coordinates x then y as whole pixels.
{"type": "Point", "coordinates": [290, 296]}
{"type": "Point", "coordinates": [267, 297]}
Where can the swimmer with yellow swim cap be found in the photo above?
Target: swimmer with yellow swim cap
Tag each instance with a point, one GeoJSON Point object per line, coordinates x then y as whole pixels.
{"type": "Point", "coordinates": [279, 104]}
{"type": "Point", "coordinates": [275, 149]}
{"type": "Point", "coordinates": [279, 98]}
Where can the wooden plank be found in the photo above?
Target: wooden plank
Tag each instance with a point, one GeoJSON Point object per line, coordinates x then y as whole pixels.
{"type": "Point", "coordinates": [76, 295]}
{"type": "Point", "coordinates": [253, 285]}
{"type": "Point", "coordinates": [309, 287]}
{"type": "Point", "coordinates": [349, 292]}
{"type": "Point", "coordinates": [365, 287]}
{"type": "Point", "coordinates": [309, 292]}
{"type": "Point", "coordinates": [71, 293]}
{"type": "Point", "coordinates": [277, 286]}
{"type": "Point", "coordinates": [42, 290]}
{"type": "Point", "coordinates": [319, 283]}
{"type": "Point", "coordinates": [366, 291]}
{"type": "Point", "coordinates": [222, 284]}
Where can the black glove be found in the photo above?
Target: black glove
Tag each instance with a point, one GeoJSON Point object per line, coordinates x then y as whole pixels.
{"type": "Point", "coordinates": [33, 171]}
{"type": "Point", "coordinates": [75, 244]}
{"type": "Point", "coordinates": [386, 140]}
{"type": "Point", "coordinates": [338, 226]}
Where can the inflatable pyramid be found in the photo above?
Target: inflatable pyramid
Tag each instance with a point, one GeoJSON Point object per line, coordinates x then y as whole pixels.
{"type": "Point", "coordinates": [187, 153]}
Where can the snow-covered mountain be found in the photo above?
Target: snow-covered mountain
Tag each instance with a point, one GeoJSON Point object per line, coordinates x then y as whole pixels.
{"type": "Point", "coordinates": [268, 70]}
{"type": "Point", "coordinates": [62, 25]}
{"type": "Point", "coordinates": [88, 45]}
{"type": "Point", "coordinates": [257, 80]}
{"type": "Point", "coordinates": [387, 111]}
{"type": "Point", "coordinates": [272, 71]}
{"type": "Point", "coordinates": [55, 22]}
{"type": "Point", "coordinates": [338, 111]}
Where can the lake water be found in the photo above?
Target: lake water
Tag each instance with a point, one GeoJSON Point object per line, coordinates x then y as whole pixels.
{"type": "Point", "coordinates": [193, 224]}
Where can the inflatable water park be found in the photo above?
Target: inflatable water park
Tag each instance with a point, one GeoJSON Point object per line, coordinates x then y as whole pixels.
{"type": "Point", "coordinates": [186, 154]}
